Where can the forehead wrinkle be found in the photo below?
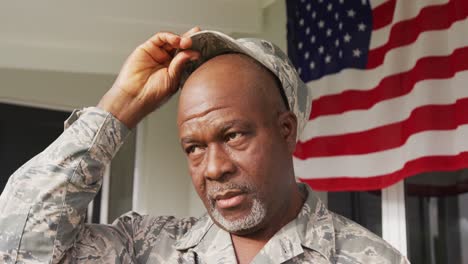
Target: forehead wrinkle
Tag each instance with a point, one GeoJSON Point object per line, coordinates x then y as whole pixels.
{"type": "Point", "coordinates": [201, 113]}
{"type": "Point", "coordinates": [199, 123]}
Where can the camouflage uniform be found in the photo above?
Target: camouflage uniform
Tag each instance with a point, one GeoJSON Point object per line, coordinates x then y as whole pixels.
{"type": "Point", "coordinates": [43, 208]}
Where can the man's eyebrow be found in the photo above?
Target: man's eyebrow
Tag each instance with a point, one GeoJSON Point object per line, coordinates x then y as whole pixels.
{"type": "Point", "coordinates": [186, 140]}
{"type": "Point", "coordinates": [224, 128]}
{"type": "Point", "coordinates": [235, 123]}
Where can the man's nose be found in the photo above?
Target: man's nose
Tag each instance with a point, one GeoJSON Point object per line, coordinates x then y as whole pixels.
{"type": "Point", "coordinates": [218, 163]}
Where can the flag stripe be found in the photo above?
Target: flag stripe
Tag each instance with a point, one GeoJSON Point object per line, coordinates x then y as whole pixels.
{"type": "Point", "coordinates": [405, 12]}
{"type": "Point", "coordinates": [427, 143]}
{"type": "Point", "coordinates": [402, 59]}
{"type": "Point", "coordinates": [431, 117]}
{"type": "Point", "coordinates": [426, 68]}
{"type": "Point", "coordinates": [430, 18]}
{"type": "Point", "coordinates": [384, 13]}
{"type": "Point", "coordinates": [428, 92]}
{"type": "Point", "coordinates": [413, 167]}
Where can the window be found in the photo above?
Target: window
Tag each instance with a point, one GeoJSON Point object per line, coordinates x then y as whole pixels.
{"type": "Point", "coordinates": [437, 212]}
{"type": "Point", "coordinates": [26, 131]}
{"type": "Point", "coordinates": [425, 217]}
{"type": "Point", "coordinates": [364, 208]}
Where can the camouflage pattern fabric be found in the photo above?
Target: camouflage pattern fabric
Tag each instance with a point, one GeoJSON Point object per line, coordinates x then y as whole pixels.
{"type": "Point", "coordinates": [212, 43]}
{"type": "Point", "coordinates": [43, 207]}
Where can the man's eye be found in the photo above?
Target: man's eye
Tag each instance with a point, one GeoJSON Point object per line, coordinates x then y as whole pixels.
{"type": "Point", "coordinates": [192, 149]}
{"type": "Point", "coordinates": [233, 136]}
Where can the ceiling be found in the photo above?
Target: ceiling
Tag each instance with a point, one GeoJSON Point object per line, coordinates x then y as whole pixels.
{"type": "Point", "coordinates": [96, 36]}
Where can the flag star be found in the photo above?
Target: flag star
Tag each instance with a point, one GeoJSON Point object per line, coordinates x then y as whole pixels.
{"type": "Point", "coordinates": [312, 39]}
{"type": "Point", "coordinates": [337, 16]}
{"type": "Point", "coordinates": [329, 32]}
{"type": "Point", "coordinates": [299, 70]}
{"type": "Point", "coordinates": [356, 53]}
{"type": "Point", "coordinates": [363, 2]}
{"type": "Point", "coordinates": [361, 27]}
{"type": "Point", "coordinates": [320, 1]}
{"type": "Point", "coordinates": [306, 55]}
{"type": "Point", "coordinates": [307, 31]}
{"type": "Point", "coordinates": [340, 25]}
{"type": "Point", "coordinates": [299, 45]}
{"type": "Point", "coordinates": [308, 6]}
{"type": "Point", "coordinates": [321, 49]}
{"type": "Point", "coordinates": [321, 24]}
{"type": "Point", "coordinates": [312, 65]}
{"type": "Point", "coordinates": [337, 42]}
{"type": "Point", "coordinates": [327, 59]}
{"type": "Point", "coordinates": [330, 7]}
{"type": "Point", "coordinates": [340, 53]}
{"type": "Point", "coordinates": [347, 38]}
{"type": "Point", "coordinates": [314, 14]}
{"type": "Point", "coordinates": [301, 22]}
{"type": "Point", "coordinates": [341, 1]}
{"type": "Point", "coordinates": [351, 13]}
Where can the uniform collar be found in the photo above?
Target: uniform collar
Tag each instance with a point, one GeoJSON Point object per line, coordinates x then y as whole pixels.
{"type": "Point", "coordinates": [312, 228]}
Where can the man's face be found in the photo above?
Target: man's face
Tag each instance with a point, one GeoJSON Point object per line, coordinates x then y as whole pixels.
{"type": "Point", "coordinates": [236, 142]}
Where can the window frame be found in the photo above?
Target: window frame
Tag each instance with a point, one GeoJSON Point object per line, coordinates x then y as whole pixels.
{"type": "Point", "coordinates": [394, 216]}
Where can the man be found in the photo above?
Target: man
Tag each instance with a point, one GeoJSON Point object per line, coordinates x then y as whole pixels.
{"type": "Point", "coordinates": [238, 119]}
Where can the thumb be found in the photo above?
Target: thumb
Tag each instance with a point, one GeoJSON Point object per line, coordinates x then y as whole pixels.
{"type": "Point", "coordinates": [178, 62]}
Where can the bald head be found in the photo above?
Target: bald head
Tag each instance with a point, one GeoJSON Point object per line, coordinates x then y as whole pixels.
{"type": "Point", "coordinates": [232, 76]}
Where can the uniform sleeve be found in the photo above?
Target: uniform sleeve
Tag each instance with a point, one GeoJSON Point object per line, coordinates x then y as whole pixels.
{"type": "Point", "coordinates": [43, 206]}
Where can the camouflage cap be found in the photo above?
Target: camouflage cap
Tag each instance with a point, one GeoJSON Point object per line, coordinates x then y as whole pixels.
{"type": "Point", "coordinates": [213, 43]}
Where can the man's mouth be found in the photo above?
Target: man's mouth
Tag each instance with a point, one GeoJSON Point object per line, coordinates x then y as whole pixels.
{"type": "Point", "coordinates": [229, 199]}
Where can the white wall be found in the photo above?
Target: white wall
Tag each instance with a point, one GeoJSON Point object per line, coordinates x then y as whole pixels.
{"type": "Point", "coordinates": [52, 89]}
{"type": "Point", "coordinates": [95, 36]}
{"type": "Point", "coordinates": [163, 184]}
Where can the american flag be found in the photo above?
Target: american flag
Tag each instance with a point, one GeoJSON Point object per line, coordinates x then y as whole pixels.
{"type": "Point", "coordinates": [389, 80]}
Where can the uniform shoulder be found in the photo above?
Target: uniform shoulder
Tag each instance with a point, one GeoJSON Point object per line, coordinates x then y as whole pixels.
{"type": "Point", "coordinates": [356, 244]}
{"type": "Point", "coordinates": [131, 236]}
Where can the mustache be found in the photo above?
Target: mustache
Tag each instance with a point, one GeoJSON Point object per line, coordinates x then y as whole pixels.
{"type": "Point", "coordinates": [243, 187]}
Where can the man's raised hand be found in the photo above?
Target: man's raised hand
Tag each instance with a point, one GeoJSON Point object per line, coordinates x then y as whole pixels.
{"type": "Point", "coordinates": [149, 77]}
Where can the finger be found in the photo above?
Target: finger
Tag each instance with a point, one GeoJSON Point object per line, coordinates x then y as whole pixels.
{"type": "Point", "coordinates": [186, 41]}
{"type": "Point", "coordinates": [191, 31]}
{"type": "Point", "coordinates": [155, 46]}
{"type": "Point", "coordinates": [161, 38]}
{"type": "Point", "coordinates": [177, 64]}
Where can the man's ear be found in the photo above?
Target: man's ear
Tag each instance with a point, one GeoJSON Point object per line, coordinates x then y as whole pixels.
{"type": "Point", "coordinates": [288, 129]}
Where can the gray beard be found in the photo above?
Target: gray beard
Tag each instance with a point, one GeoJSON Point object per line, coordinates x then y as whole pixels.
{"type": "Point", "coordinates": [253, 219]}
